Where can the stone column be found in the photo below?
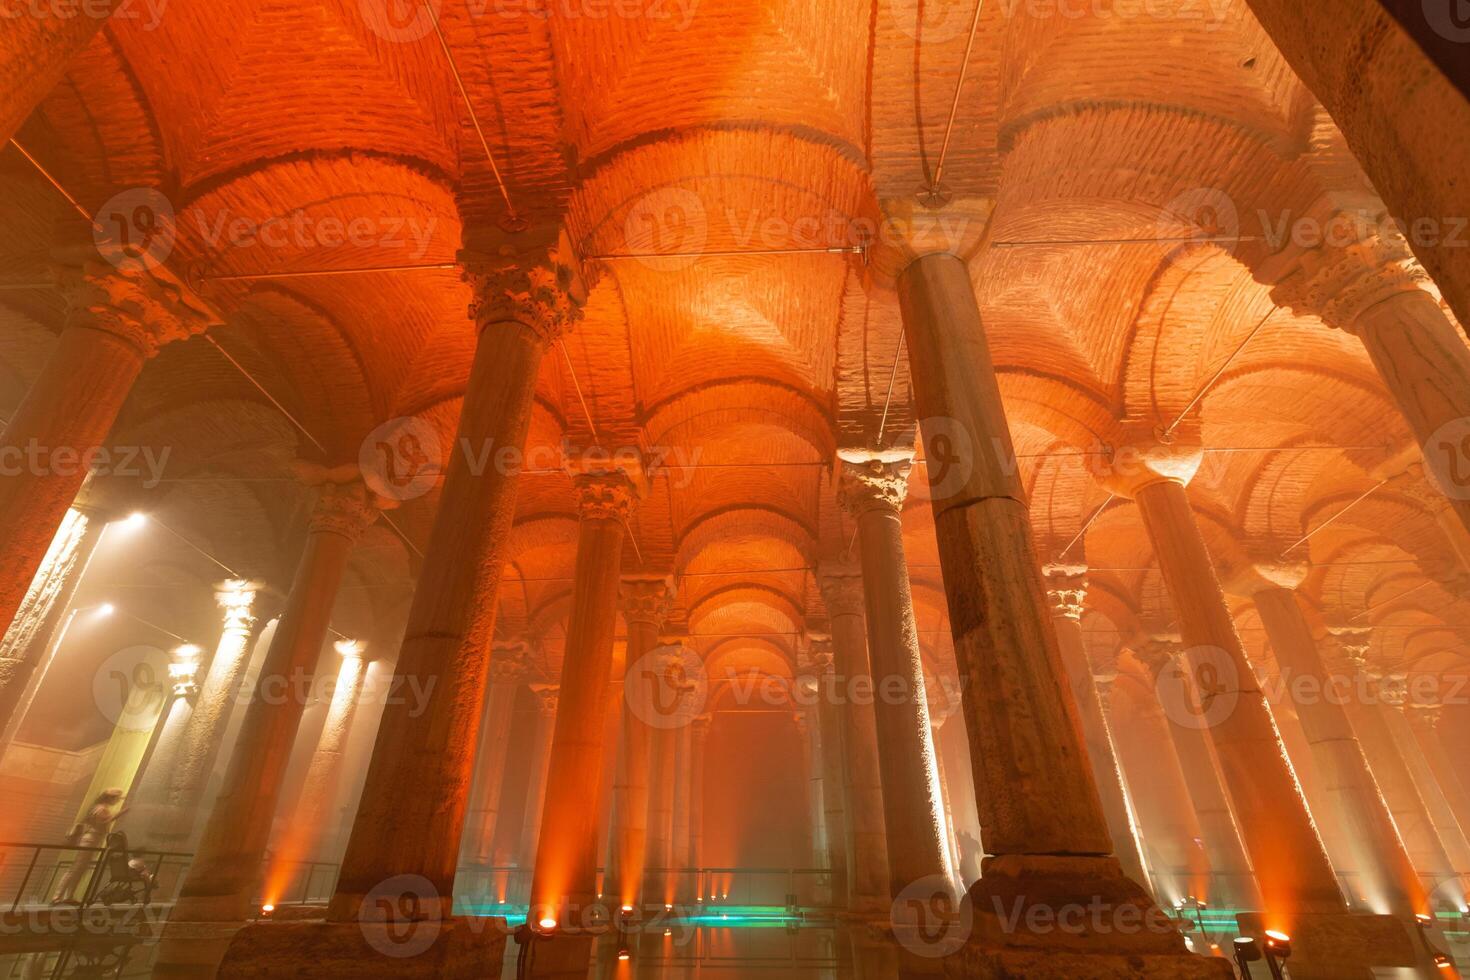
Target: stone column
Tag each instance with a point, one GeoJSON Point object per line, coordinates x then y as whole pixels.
{"type": "Point", "coordinates": [1424, 722]}
{"type": "Point", "coordinates": [646, 603]}
{"type": "Point", "coordinates": [851, 690]}
{"type": "Point", "coordinates": [171, 797]}
{"type": "Point", "coordinates": [1446, 825]}
{"type": "Point", "coordinates": [872, 488]}
{"type": "Point", "coordinates": [312, 832]}
{"type": "Point", "coordinates": [698, 739]}
{"type": "Point", "coordinates": [1401, 117]}
{"type": "Point", "coordinates": [818, 662]}
{"type": "Point", "coordinates": [38, 44]}
{"type": "Point", "coordinates": [115, 322]}
{"type": "Point", "coordinates": [1066, 587]}
{"type": "Point", "coordinates": [1040, 815]}
{"type": "Point", "coordinates": [527, 292]}
{"type": "Point", "coordinates": [508, 664]}
{"type": "Point", "coordinates": [566, 857]}
{"type": "Point", "coordinates": [661, 816]}
{"type": "Point", "coordinates": [1169, 671]}
{"type": "Point", "coordinates": [1375, 290]}
{"type": "Point", "coordinates": [1392, 885]}
{"type": "Point", "coordinates": [1391, 773]}
{"type": "Point", "coordinates": [162, 755]}
{"type": "Point", "coordinates": [30, 642]}
{"type": "Point", "coordinates": [1291, 865]}
{"type": "Point", "coordinates": [683, 797]}
{"type": "Point", "coordinates": [807, 735]}
{"type": "Point", "coordinates": [221, 882]}
{"type": "Point", "coordinates": [547, 697]}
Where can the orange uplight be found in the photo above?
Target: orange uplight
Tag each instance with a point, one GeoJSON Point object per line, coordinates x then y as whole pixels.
{"type": "Point", "coordinates": [547, 923]}
{"type": "Point", "coordinates": [267, 909]}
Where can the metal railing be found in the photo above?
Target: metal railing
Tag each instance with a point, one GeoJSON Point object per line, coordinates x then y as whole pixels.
{"type": "Point", "coordinates": [41, 875]}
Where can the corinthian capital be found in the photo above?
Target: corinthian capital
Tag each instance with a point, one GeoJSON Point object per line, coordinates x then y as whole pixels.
{"type": "Point", "coordinates": [1353, 644]}
{"type": "Point", "coordinates": [607, 495]}
{"type": "Point", "coordinates": [236, 597]}
{"type": "Point", "coordinates": [815, 655]}
{"type": "Point", "coordinates": [842, 590]}
{"type": "Point", "coordinates": [343, 508]}
{"type": "Point", "coordinates": [509, 661]}
{"type": "Point", "coordinates": [1158, 652]}
{"type": "Point", "coordinates": [532, 277]}
{"type": "Point", "coordinates": [1338, 283]}
{"type": "Point", "coordinates": [873, 481]}
{"type": "Point", "coordinates": [646, 598]}
{"type": "Point", "coordinates": [1066, 587]}
{"type": "Point", "coordinates": [146, 308]}
{"type": "Point", "coordinates": [547, 696]}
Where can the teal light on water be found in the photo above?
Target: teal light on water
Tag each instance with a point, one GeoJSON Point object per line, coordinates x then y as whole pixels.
{"type": "Point", "coordinates": [717, 916]}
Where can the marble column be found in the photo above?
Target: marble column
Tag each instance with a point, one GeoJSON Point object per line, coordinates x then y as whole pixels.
{"type": "Point", "coordinates": [509, 662]}
{"type": "Point", "coordinates": [1411, 816]}
{"type": "Point", "coordinates": [1448, 887]}
{"type": "Point", "coordinates": [30, 642]}
{"type": "Point", "coordinates": [660, 884]}
{"type": "Point", "coordinates": [1424, 721]}
{"type": "Point", "coordinates": [566, 857]}
{"type": "Point", "coordinates": [163, 751]}
{"type": "Point", "coordinates": [1291, 866]}
{"type": "Point", "coordinates": [851, 689]}
{"type": "Point", "coordinates": [1066, 587]}
{"type": "Point", "coordinates": [872, 488]}
{"type": "Point", "coordinates": [1403, 119]}
{"type": "Point", "coordinates": [683, 797]}
{"type": "Point", "coordinates": [221, 882]}
{"type": "Point", "coordinates": [527, 291]}
{"type": "Point", "coordinates": [1381, 858]}
{"type": "Point", "coordinates": [115, 322]}
{"type": "Point", "coordinates": [808, 735]}
{"type": "Point", "coordinates": [39, 43]}
{"type": "Point", "coordinates": [646, 604]}
{"type": "Point", "coordinates": [547, 697]}
{"type": "Point", "coordinates": [1169, 672]}
{"type": "Point", "coordinates": [316, 811]}
{"type": "Point", "coordinates": [818, 663]}
{"type": "Point", "coordinates": [1040, 815]}
{"type": "Point", "coordinates": [171, 797]}
{"type": "Point", "coordinates": [1376, 291]}
{"type": "Point", "coordinates": [698, 740]}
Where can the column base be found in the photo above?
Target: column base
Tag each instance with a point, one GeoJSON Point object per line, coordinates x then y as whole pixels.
{"type": "Point", "coordinates": [1035, 917]}
{"type": "Point", "coordinates": [457, 947]}
{"type": "Point", "coordinates": [1343, 945]}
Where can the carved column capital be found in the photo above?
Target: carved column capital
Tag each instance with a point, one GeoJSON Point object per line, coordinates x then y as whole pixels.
{"type": "Point", "coordinates": [1353, 644]}
{"type": "Point", "coordinates": [531, 278]}
{"type": "Point", "coordinates": [815, 655]}
{"type": "Point", "coordinates": [510, 660]}
{"type": "Point", "coordinates": [347, 509]}
{"type": "Point", "coordinates": [869, 482]}
{"type": "Point", "coordinates": [646, 599]}
{"type": "Point", "coordinates": [1066, 588]}
{"type": "Point", "coordinates": [183, 670]}
{"type": "Point", "coordinates": [699, 727]}
{"type": "Point", "coordinates": [842, 590]}
{"type": "Point", "coordinates": [1427, 716]}
{"type": "Point", "coordinates": [147, 308]}
{"type": "Point", "coordinates": [547, 696]}
{"type": "Point", "coordinates": [236, 597]}
{"type": "Point", "coordinates": [1158, 652]}
{"type": "Point", "coordinates": [1338, 283]}
{"type": "Point", "coordinates": [606, 495]}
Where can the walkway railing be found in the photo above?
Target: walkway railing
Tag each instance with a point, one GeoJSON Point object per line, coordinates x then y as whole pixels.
{"type": "Point", "coordinates": [36, 875]}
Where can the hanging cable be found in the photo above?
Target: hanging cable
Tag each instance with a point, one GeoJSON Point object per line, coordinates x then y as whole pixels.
{"type": "Point", "coordinates": [954, 106]}
{"type": "Point", "coordinates": [1167, 433]}
{"type": "Point", "coordinates": [1356, 501]}
{"type": "Point", "coordinates": [54, 182]}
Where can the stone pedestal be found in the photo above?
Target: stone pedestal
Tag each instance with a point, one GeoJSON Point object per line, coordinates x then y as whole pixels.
{"type": "Point", "coordinates": [434, 949]}
{"type": "Point", "coordinates": [1344, 947]}
{"type": "Point", "coordinates": [222, 880]}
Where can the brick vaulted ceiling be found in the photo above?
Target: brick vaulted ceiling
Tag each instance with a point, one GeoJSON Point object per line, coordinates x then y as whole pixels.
{"type": "Point", "coordinates": [731, 125]}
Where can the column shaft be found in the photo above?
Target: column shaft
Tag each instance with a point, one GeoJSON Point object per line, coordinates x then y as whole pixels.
{"type": "Point", "coordinates": [566, 857]}
{"type": "Point", "coordinates": [221, 881]}
{"type": "Point", "coordinates": [1022, 724]}
{"type": "Point", "coordinates": [834, 792]}
{"type": "Point", "coordinates": [1441, 814]}
{"type": "Point", "coordinates": [537, 774]}
{"type": "Point", "coordinates": [423, 760]}
{"type": "Point", "coordinates": [661, 816]}
{"type": "Point", "coordinates": [1291, 865]}
{"type": "Point", "coordinates": [913, 802]}
{"type": "Point", "coordinates": [683, 799]}
{"type": "Point", "coordinates": [1357, 801]}
{"type": "Point", "coordinates": [506, 667]}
